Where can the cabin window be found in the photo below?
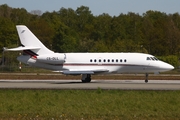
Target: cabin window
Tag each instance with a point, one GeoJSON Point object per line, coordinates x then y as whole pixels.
{"type": "Point", "coordinates": [116, 60]}
{"type": "Point", "coordinates": [112, 60]}
{"type": "Point", "coordinates": [90, 60]}
{"type": "Point", "coordinates": [120, 60]}
{"type": "Point", "coordinates": [94, 60]}
{"type": "Point", "coordinates": [99, 60]}
{"type": "Point", "coordinates": [104, 60]}
{"type": "Point", "coordinates": [108, 60]}
{"type": "Point", "coordinates": [125, 60]}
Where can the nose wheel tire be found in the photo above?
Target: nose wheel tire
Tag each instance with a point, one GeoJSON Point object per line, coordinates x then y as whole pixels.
{"type": "Point", "coordinates": [146, 79]}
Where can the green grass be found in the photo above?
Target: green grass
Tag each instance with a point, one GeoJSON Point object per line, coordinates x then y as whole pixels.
{"type": "Point", "coordinates": [89, 104]}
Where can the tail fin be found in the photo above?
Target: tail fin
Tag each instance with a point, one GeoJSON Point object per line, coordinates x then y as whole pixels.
{"type": "Point", "coordinates": [29, 40]}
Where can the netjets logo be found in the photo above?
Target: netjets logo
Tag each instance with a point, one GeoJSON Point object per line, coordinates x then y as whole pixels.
{"type": "Point", "coordinates": [23, 31]}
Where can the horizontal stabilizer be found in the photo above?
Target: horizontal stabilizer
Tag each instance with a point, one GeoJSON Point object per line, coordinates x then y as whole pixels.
{"type": "Point", "coordinates": [21, 48]}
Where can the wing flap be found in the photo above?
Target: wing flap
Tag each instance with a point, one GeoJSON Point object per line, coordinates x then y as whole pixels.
{"type": "Point", "coordinates": [21, 48]}
{"type": "Point", "coordinates": [78, 72]}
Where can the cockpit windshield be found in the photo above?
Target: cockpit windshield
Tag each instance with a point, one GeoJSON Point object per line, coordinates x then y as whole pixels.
{"type": "Point", "coordinates": [155, 58]}
{"type": "Point", "coordinates": [152, 58]}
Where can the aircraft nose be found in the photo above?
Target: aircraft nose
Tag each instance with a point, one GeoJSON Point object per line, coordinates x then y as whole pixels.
{"type": "Point", "coordinates": [166, 66]}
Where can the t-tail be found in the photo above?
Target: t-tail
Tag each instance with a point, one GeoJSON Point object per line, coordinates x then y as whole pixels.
{"type": "Point", "coordinates": [29, 42]}
{"type": "Point", "coordinates": [33, 48]}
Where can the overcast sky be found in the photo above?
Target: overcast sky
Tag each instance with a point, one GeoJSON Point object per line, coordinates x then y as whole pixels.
{"type": "Point", "coordinates": [97, 7]}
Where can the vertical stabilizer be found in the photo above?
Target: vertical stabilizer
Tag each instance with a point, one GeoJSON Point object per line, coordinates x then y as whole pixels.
{"type": "Point", "coordinates": [28, 39]}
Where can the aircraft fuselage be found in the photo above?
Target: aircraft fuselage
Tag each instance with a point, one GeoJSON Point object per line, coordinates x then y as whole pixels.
{"type": "Point", "coordinates": [111, 62]}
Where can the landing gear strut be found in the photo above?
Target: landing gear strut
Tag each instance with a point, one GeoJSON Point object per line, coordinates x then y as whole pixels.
{"type": "Point", "coordinates": [146, 79]}
{"type": "Point", "coordinates": [86, 78]}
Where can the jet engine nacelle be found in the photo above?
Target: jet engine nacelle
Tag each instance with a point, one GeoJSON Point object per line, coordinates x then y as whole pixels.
{"type": "Point", "coordinates": [56, 58]}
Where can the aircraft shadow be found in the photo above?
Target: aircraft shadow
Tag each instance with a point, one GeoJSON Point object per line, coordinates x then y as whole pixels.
{"type": "Point", "coordinates": [67, 83]}
{"type": "Point", "coordinates": [92, 82]}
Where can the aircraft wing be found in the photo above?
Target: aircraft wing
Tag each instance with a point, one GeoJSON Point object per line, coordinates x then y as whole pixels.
{"type": "Point", "coordinates": [20, 48]}
{"type": "Point", "coordinates": [78, 72]}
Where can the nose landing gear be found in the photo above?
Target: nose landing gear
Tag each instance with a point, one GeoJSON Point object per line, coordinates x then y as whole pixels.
{"type": "Point", "coordinates": [146, 79]}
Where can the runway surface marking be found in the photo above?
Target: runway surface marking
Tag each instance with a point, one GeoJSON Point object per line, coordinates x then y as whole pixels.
{"type": "Point", "coordinates": [94, 84]}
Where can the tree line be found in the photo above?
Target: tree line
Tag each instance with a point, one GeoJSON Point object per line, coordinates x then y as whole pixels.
{"type": "Point", "coordinates": [69, 30]}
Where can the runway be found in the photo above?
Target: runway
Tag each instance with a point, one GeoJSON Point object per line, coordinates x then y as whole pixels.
{"type": "Point", "coordinates": [94, 84]}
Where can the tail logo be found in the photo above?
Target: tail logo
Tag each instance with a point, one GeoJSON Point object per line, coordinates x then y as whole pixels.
{"type": "Point", "coordinates": [23, 31]}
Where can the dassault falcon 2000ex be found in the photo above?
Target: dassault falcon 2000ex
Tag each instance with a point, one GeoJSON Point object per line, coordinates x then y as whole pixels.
{"type": "Point", "coordinates": [84, 64]}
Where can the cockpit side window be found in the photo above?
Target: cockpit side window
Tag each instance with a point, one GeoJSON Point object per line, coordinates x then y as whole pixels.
{"type": "Point", "coordinates": [148, 58]}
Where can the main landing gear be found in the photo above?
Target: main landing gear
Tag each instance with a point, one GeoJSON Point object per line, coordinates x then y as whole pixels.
{"type": "Point", "coordinates": [146, 79]}
{"type": "Point", "coordinates": [86, 78]}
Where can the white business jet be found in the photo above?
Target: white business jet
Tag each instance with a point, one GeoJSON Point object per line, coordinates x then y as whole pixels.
{"type": "Point", "coordinates": [85, 64]}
